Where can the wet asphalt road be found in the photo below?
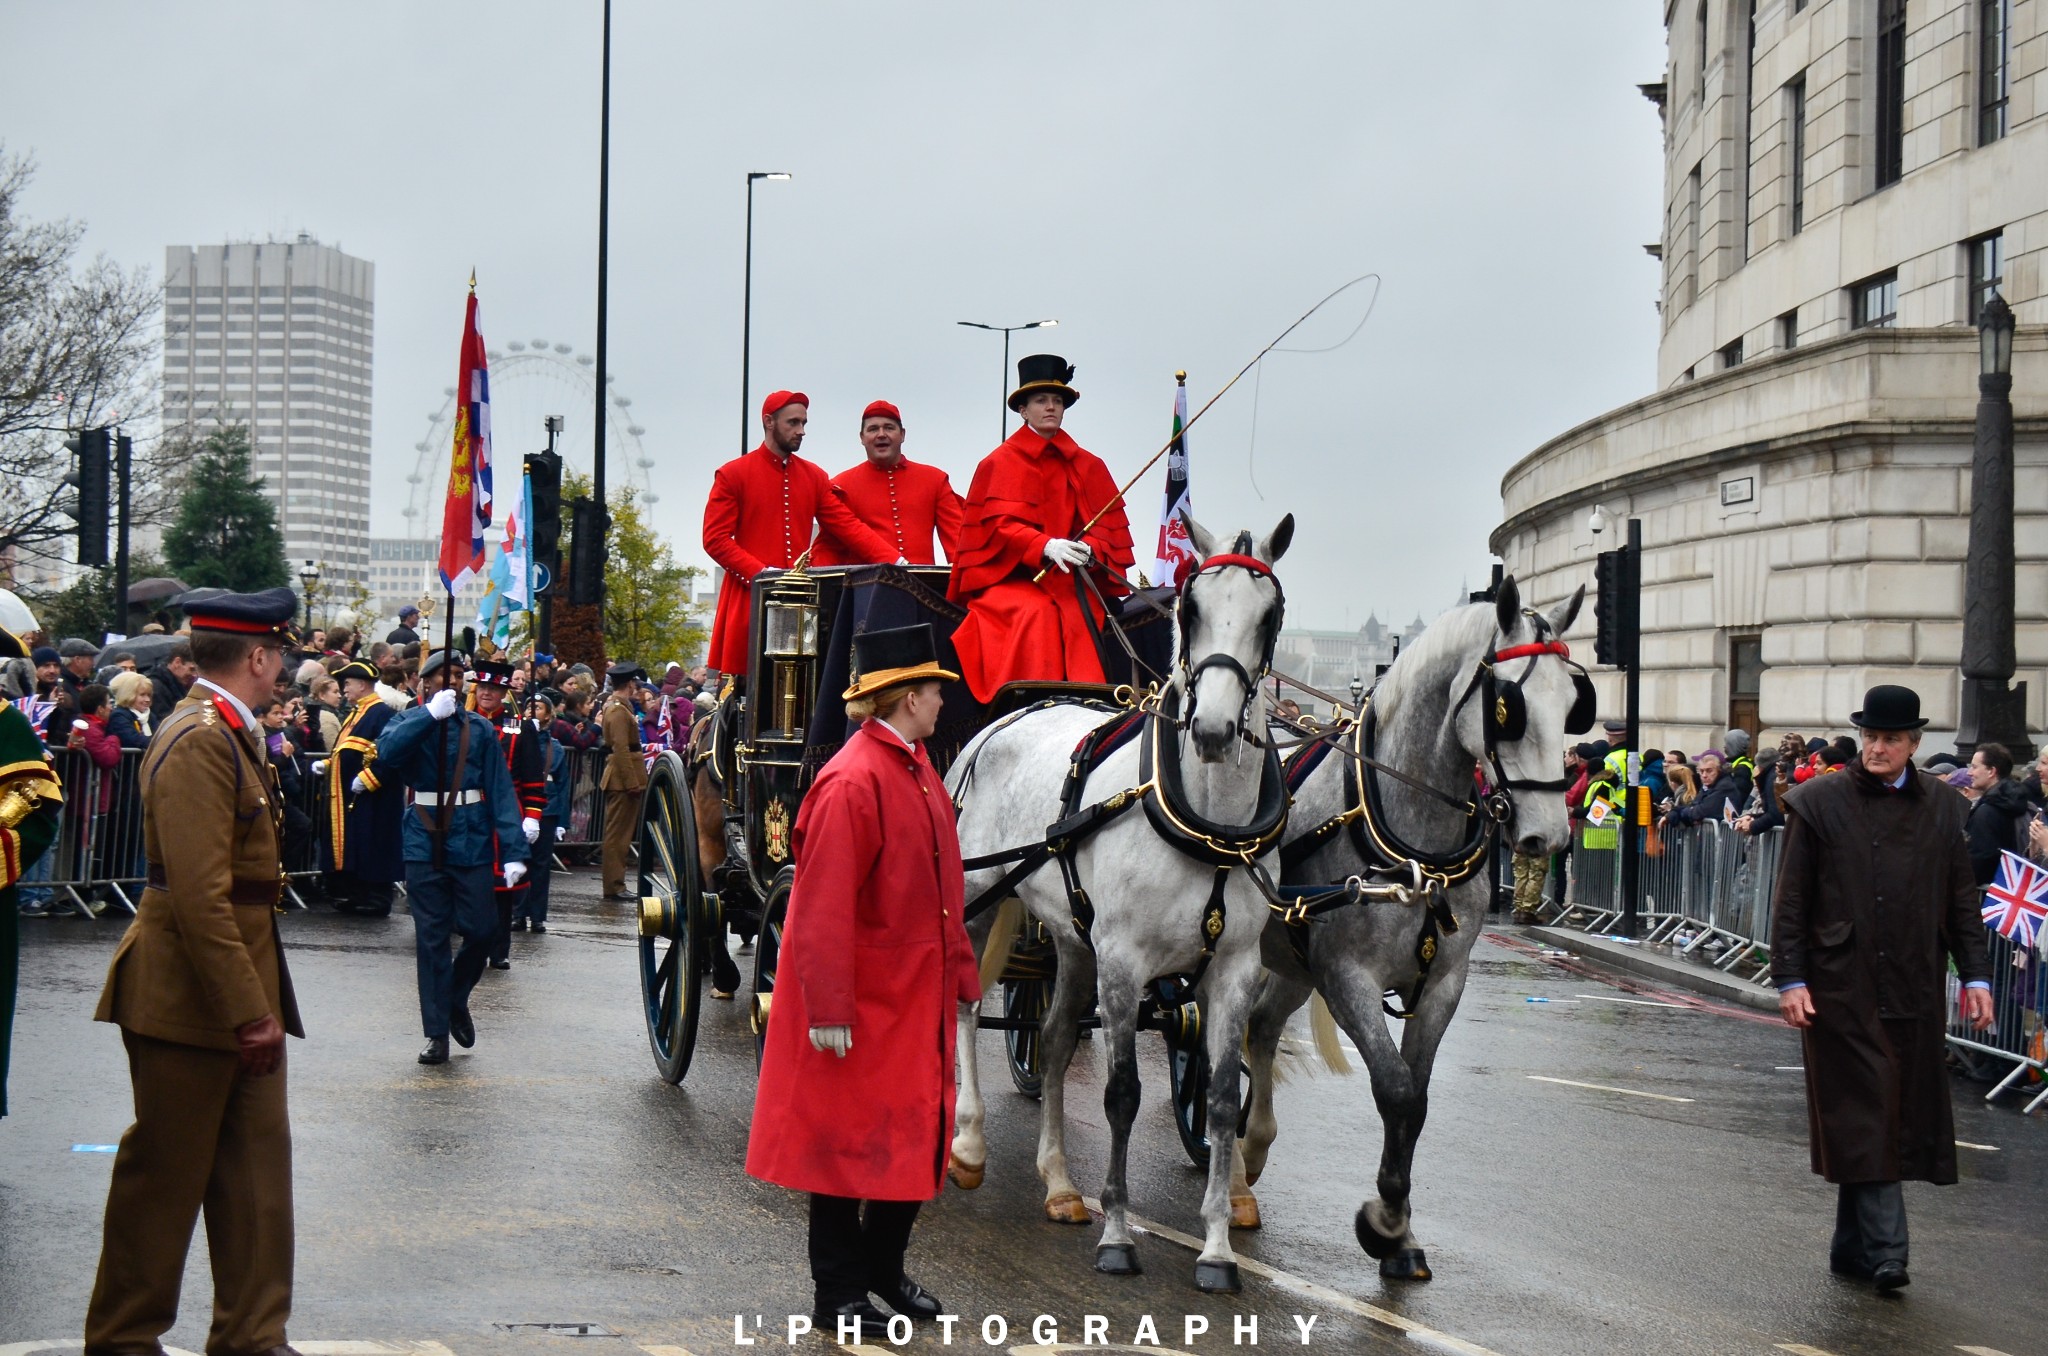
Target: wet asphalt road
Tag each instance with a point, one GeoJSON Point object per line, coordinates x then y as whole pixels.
{"type": "Point", "coordinates": [549, 1177]}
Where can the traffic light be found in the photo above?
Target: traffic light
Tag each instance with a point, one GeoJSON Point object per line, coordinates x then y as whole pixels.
{"type": "Point", "coordinates": [91, 477]}
{"type": "Point", "coordinates": [544, 474]}
{"type": "Point", "coordinates": [1615, 608]}
{"type": "Point", "coordinates": [587, 552]}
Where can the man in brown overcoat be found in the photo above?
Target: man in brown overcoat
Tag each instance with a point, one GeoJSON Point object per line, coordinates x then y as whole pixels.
{"type": "Point", "coordinates": [199, 988]}
{"type": "Point", "coordinates": [625, 775]}
{"type": "Point", "coordinates": [1874, 893]}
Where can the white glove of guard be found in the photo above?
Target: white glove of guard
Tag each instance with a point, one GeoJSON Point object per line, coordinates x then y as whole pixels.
{"type": "Point", "coordinates": [561, 832]}
{"type": "Point", "coordinates": [355, 784]}
{"type": "Point", "coordinates": [837, 1039]}
{"type": "Point", "coordinates": [442, 704]}
{"type": "Point", "coordinates": [319, 767]}
{"type": "Point", "coordinates": [514, 873]}
{"type": "Point", "coordinates": [531, 828]}
{"type": "Point", "coordinates": [1066, 554]}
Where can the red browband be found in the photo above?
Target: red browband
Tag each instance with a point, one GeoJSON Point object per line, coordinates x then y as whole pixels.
{"type": "Point", "coordinates": [1252, 563]}
{"type": "Point", "coordinates": [1556, 647]}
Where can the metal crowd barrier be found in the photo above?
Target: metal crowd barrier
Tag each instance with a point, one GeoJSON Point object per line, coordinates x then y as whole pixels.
{"type": "Point", "coordinates": [2019, 1000]}
{"type": "Point", "coordinates": [1708, 893]}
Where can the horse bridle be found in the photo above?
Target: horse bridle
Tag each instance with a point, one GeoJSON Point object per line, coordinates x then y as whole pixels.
{"type": "Point", "coordinates": [1239, 557]}
{"type": "Point", "coordinates": [1504, 718]}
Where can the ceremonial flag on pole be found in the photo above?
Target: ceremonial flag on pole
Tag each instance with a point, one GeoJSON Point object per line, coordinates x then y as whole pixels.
{"type": "Point", "coordinates": [1175, 554]}
{"type": "Point", "coordinates": [2016, 903]}
{"type": "Point", "coordinates": [467, 515]}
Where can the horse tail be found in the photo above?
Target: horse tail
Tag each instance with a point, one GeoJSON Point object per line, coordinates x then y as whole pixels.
{"type": "Point", "coordinates": [1002, 933]}
{"type": "Point", "coordinates": [1323, 1027]}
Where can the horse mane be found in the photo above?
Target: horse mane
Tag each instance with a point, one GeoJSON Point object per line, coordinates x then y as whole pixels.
{"type": "Point", "coordinates": [1460, 634]}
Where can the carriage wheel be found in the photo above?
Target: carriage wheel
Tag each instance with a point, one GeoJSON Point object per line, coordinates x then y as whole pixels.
{"type": "Point", "coordinates": [767, 955]}
{"type": "Point", "coordinates": [672, 917]}
{"type": "Point", "coordinates": [1187, 1063]}
{"type": "Point", "coordinates": [1025, 1000]}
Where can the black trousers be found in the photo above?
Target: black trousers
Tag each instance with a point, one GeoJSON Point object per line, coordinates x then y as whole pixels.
{"type": "Point", "coordinates": [852, 1255]}
{"type": "Point", "coordinates": [1870, 1226]}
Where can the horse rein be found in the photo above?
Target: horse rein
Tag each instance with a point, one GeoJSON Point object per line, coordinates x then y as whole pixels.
{"type": "Point", "coordinates": [1237, 558]}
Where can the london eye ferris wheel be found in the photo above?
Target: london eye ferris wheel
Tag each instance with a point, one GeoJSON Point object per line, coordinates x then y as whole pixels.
{"type": "Point", "coordinates": [530, 380]}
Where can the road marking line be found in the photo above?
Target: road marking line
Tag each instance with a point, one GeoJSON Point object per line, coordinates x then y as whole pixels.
{"type": "Point", "coordinates": [1602, 1087]}
{"type": "Point", "coordinates": [1987, 1148]}
{"type": "Point", "coordinates": [1789, 1068]}
{"type": "Point", "coordinates": [666, 1351]}
{"type": "Point", "coordinates": [1801, 1349]}
{"type": "Point", "coordinates": [1982, 1351]}
{"type": "Point", "coordinates": [371, 1349]}
{"type": "Point", "coordinates": [1635, 1002]}
{"type": "Point", "coordinates": [1308, 1289]}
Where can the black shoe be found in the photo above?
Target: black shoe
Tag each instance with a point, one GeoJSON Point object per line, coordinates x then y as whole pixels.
{"type": "Point", "coordinates": [1853, 1270]}
{"type": "Point", "coordinates": [501, 965]}
{"type": "Point", "coordinates": [912, 1300]}
{"type": "Point", "coordinates": [460, 1027]}
{"type": "Point", "coordinates": [874, 1324]}
{"type": "Point", "coordinates": [519, 925]}
{"type": "Point", "coordinates": [539, 926]}
{"type": "Point", "coordinates": [1890, 1276]}
{"type": "Point", "coordinates": [436, 1051]}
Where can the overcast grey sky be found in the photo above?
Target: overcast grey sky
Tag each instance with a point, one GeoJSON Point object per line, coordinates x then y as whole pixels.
{"type": "Point", "coordinates": [1173, 182]}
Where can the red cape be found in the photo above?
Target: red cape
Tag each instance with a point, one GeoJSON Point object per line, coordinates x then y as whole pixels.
{"type": "Point", "coordinates": [1025, 493]}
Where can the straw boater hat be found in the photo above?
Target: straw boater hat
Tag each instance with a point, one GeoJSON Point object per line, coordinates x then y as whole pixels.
{"type": "Point", "coordinates": [902, 654]}
{"type": "Point", "coordinates": [1043, 372]}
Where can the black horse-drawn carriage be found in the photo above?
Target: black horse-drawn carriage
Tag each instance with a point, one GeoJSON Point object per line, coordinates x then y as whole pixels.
{"type": "Point", "coordinates": [768, 738]}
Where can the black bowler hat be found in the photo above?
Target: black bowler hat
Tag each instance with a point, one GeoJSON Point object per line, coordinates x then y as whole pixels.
{"type": "Point", "coordinates": [902, 654]}
{"type": "Point", "coordinates": [1043, 372]}
{"type": "Point", "coordinates": [268, 613]}
{"type": "Point", "coordinates": [1889, 707]}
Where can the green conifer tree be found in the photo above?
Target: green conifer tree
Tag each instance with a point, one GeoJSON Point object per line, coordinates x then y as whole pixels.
{"type": "Point", "coordinates": [225, 534]}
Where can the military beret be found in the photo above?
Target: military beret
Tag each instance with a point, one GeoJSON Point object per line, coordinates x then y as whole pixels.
{"type": "Point", "coordinates": [433, 662]}
{"type": "Point", "coordinates": [268, 613]}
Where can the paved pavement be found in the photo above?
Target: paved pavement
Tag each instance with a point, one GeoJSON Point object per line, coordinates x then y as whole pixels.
{"type": "Point", "coordinates": [1615, 1168]}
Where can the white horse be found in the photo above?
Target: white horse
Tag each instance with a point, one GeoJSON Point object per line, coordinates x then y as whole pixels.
{"type": "Point", "coordinates": [1488, 686]}
{"type": "Point", "coordinates": [1158, 911]}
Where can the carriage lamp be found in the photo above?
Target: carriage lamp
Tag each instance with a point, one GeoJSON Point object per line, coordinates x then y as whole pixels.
{"type": "Point", "coordinates": [792, 630]}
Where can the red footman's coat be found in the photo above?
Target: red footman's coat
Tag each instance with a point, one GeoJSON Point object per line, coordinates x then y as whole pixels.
{"type": "Point", "coordinates": [905, 504]}
{"type": "Point", "coordinates": [1025, 493]}
{"type": "Point", "coordinates": [873, 941]}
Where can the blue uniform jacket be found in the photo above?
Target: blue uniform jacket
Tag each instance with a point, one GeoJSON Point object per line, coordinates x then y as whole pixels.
{"type": "Point", "coordinates": [558, 782]}
{"type": "Point", "coordinates": [406, 754]}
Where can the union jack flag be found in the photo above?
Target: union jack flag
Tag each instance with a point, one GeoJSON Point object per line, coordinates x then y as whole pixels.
{"type": "Point", "coordinates": [2016, 904]}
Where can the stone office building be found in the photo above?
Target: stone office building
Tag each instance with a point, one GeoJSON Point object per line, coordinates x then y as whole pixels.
{"type": "Point", "coordinates": [1846, 181]}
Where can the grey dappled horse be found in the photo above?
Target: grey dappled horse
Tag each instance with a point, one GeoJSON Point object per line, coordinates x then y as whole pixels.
{"type": "Point", "coordinates": [1432, 711]}
{"type": "Point", "coordinates": [1149, 898]}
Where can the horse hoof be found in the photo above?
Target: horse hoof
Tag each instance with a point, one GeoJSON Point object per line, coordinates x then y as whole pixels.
{"type": "Point", "coordinates": [1409, 1264]}
{"type": "Point", "coordinates": [1066, 1208]}
{"type": "Point", "coordinates": [1244, 1212]}
{"type": "Point", "coordinates": [1118, 1259]}
{"type": "Point", "coordinates": [965, 1177]}
{"type": "Point", "coordinates": [1217, 1278]}
{"type": "Point", "coordinates": [1376, 1244]}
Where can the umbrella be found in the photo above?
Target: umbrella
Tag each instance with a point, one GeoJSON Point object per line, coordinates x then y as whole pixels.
{"type": "Point", "coordinates": [14, 614]}
{"type": "Point", "coordinates": [147, 650]}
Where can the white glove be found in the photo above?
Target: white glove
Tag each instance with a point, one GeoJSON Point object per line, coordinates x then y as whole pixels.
{"type": "Point", "coordinates": [561, 832]}
{"type": "Point", "coordinates": [441, 704]}
{"type": "Point", "coordinates": [837, 1039]}
{"type": "Point", "coordinates": [531, 828]}
{"type": "Point", "coordinates": [356, 784]}
{"type": "Point", "coordinates": [1066, 554]}
{"type": "Point", "coordinates": [514, 873]}
{"type": "Point", "coordinates": [319, 767]}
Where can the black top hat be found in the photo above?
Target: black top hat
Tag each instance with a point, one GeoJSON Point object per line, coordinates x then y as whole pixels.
{"type": "Point", "coordinates": [1889, 707]}
{"type": "Point", "coordinates": [1043, 372]}
{"type": "Point", "coordinates": [901, 654]}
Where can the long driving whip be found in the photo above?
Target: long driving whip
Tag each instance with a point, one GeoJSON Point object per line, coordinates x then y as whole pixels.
{"type": "Point", "coordinates": [1153, 460]}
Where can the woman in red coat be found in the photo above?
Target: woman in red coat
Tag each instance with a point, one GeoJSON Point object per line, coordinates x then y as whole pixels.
{"type": "Point", "coordinates": [855, 1103]}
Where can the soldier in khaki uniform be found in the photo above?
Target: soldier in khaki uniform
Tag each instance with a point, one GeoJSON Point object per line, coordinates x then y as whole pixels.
{"type": "Point", "coordinates": [625, 776]}
{"type": "Point", "coordinates": [199, 988]}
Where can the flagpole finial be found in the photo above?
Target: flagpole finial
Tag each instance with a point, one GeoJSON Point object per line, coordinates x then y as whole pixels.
{"type": "Point", "coordinates": [472, 279]}
{"type": "Point", "coordinates": [1180, 378]}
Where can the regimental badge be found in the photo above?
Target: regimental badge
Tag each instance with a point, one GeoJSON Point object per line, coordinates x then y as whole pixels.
{"type": "Point", "coordinates": [775, 825]}
{"type": "Point", "coordinates": [1213, 924]}
{"type": "Point", "coordinates": [1427, 951]}
{"type": "Point", "coordinates": [1500, 710]}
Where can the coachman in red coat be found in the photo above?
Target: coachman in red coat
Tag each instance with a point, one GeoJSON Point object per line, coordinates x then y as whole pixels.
{"type": "Point", "coordinates": [905, 502]}
{"type": "Point", "coordinates": [760, 516]}
{"type": "Point", "coordinates": [1025, 514]}
{"type": "Point", "coordinates": [855, 1103]}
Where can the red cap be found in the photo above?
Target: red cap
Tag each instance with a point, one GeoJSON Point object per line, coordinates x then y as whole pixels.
{"type": "Point", "coordinates": [781, 400]}
{"type": "Point", "coordinates": [883, 409]}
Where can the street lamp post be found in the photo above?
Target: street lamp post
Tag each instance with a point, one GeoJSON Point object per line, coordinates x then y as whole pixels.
{"type": "Point", "coordinates": [1994, 710]}
{"type": "Point", "coordinates": [747, 318]}
{"type": "Point", "coordinates": [309, 576]}
{"type": "Point", "coordinates": [1003, 387]}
